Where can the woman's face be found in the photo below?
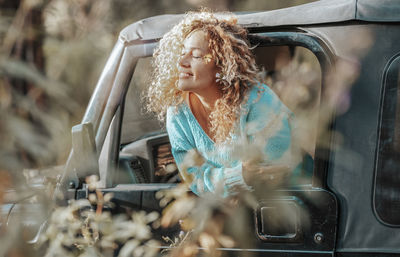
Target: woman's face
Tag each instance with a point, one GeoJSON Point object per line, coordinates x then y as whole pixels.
{"type": "Point", "coordinates": [197, 73]}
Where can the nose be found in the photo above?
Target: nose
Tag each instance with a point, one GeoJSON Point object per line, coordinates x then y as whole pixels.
{"type": "Point", "coordinates": [184, 61]}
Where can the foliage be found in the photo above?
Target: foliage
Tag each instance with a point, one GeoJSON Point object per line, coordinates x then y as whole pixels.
{"type": "Point", "coordinates": [79, 229]}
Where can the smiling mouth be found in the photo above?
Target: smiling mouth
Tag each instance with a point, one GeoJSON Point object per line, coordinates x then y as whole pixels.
{"type": "Point", "coordinates": [184, 75]}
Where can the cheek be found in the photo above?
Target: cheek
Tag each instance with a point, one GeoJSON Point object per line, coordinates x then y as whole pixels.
{"type": "Point", "coordinates": [205, 73]}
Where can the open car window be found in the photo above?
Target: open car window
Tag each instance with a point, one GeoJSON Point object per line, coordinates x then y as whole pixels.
{"type": "Point", "coordinates": [137, 122]}
{"type": "Point", "coordinates": [294, 73]}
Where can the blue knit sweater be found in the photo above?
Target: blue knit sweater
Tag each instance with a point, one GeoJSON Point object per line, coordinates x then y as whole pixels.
{"type": "Point", "coordinates": [264, 123]}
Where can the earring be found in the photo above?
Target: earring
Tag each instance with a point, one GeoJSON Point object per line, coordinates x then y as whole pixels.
{"type": "Point", "coordinates": [220, 78]}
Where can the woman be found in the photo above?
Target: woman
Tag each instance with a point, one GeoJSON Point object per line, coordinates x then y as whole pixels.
{"type": "Point", "coordinates": [206, 83]}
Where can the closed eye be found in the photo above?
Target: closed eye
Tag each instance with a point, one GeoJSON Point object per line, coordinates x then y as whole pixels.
{"type": "Point", "coordinates": [193, 55]}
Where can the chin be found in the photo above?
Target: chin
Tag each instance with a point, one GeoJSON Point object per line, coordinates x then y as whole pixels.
{"type": "Point", "coordinates": [183, 86]}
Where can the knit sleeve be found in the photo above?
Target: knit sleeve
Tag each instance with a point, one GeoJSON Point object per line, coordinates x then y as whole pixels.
{"type": "Point", "coordinates": [202, 175]}
{"type": "Point", "coordinates": [268, 124]}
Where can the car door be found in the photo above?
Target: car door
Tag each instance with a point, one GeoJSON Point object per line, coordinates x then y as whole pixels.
{"type": "Point", "coordinates": [307, 212]}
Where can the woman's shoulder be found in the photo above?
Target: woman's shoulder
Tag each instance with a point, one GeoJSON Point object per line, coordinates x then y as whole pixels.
{"type": "Point", "coordinates": [178, 115]}
{"type": "Point", "coordinates": [178, 109]}
{"type": "Point", "coordinates": [175, 111]}
{"type": "Point", "coordinates": [262, 98]}
{"type": "Point", "coordinates": [262, 94]}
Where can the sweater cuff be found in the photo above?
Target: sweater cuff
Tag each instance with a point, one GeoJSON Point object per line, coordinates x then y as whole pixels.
{"type": "Point", "coordinates": [234, 181]}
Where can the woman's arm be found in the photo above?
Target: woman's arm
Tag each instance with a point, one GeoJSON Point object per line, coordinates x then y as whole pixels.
{"type": "Point", "coordinates": [268, 129]}
{"type": "Point", "coordinates": [202, 175]}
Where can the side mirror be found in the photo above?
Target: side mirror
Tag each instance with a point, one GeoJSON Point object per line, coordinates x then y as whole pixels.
{"type": "Point", "coordinates": [84, 150]}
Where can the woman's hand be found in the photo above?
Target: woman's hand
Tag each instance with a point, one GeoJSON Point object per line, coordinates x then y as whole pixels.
{"type": "Point", "coordinates": [271, 175]}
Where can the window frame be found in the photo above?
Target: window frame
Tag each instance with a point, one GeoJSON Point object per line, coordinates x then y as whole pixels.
{"type": "Point", "coordinates": [390, 80]}
{"type": "Point", "coordinates": [325, 58]}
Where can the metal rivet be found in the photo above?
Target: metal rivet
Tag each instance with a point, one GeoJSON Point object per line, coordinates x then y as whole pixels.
{"type": "Point", "coordinates": [318, 238]}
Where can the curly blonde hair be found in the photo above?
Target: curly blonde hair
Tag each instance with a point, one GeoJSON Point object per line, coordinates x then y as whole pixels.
{"type": "Point", "coordinates": [232, 55]}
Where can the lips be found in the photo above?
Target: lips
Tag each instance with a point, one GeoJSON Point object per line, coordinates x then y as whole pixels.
{"type": "Point", "coordinates": [184, 75]}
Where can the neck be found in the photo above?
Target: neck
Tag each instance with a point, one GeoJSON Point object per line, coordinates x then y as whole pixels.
{"type": "Point", "coordinates": [208, 98]}
{"type": "Point", "coordinates": [208, 103]}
